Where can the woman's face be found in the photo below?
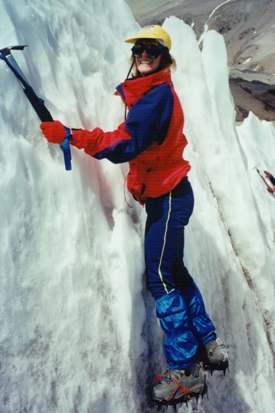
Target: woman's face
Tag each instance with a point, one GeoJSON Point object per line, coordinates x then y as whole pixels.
{"type": "Point", "coordinates": [145, 61]}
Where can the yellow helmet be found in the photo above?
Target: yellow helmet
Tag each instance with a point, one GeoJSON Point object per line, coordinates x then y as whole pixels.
{"type": "Point", "coordinates": [152, 32]}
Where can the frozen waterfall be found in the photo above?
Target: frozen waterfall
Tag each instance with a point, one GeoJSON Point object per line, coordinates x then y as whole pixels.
{"type": "Point", "coordinates": [78, 331]}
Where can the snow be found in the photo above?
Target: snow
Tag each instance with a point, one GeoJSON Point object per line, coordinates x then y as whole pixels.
{"type": "Point", "coordinates": [156, 10]}
{"type": "Point", "coordinates": [78, 330]}
{"type": "Point", "coordinates": [223, 3]}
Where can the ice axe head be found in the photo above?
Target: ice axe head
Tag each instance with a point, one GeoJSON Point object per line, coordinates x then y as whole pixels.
{"type": "Point", "coordinates": [7, 50]}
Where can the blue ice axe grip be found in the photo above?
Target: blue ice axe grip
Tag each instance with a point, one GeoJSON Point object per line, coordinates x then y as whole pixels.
{"type": "Point", "coordinates": [65, 146]}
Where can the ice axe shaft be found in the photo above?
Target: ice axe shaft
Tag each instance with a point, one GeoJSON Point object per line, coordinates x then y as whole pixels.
{"type": "Point", "coordinates": [264, 180]}
{"type": "Point", "coordinates": [36, 102]}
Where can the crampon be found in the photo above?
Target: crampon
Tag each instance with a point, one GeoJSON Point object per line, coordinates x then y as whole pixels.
{"type": "Point", "coordinates": [183, 399]}
{"type": "Point", "coordinates": [179, 392]}
{"type": "Point", "coordinates": [211, 367]}
{"type": "Point", "coordinates": [214, 358]}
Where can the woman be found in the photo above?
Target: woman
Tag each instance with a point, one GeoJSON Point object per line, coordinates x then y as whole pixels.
{"type": "Point", "coordinates": [152, 141]}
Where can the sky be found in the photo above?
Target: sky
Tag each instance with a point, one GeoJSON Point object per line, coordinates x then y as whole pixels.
{"type": "Point", "coordinates": [78, 328]}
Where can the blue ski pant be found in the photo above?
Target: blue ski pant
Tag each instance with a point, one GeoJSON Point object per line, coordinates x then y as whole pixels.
{"type": "Point", "coordinates": [179, 303]}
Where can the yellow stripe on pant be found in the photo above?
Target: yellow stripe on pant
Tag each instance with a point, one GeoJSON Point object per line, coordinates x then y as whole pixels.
{"type": "Point", "coordinates": [164, 243]}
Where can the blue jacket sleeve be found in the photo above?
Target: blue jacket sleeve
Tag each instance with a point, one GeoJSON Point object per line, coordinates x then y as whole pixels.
{"type": "Point", "coordinates": [147, 123]}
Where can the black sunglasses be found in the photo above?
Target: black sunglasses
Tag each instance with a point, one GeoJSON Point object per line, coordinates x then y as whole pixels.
{"type": "Point", "coordinates": [153, 50]}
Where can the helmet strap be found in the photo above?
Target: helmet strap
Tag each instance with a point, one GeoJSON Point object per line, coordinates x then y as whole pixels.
{"type": "Point", "coordinates": [131, 67]}
{"type": "Point", "coordinates": [127, 77]}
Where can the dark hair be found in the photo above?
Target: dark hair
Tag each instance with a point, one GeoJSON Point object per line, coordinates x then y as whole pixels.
{"type": "Point", "coordinates": [166, 59]}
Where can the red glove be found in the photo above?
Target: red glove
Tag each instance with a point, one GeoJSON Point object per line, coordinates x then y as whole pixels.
{"type": "Point", "coordinates": [271, 190]}
{"type": "Point", "coordinates": [53, 131]}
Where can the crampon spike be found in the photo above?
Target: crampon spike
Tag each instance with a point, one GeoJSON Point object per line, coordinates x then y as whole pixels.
{"type": "Point", "coordinates": [216, 367]}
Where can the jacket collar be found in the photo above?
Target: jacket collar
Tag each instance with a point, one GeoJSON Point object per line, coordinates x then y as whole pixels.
{"type": "Point", "coordinates": [131, 90]}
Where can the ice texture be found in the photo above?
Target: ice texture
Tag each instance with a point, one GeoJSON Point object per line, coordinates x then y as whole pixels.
{"type": "Point", "coordinates": [78, 329]}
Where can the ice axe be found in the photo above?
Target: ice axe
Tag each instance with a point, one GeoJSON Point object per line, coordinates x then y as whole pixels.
{"type": "Point", "coordinates": [36, 102]}
{"type": "Point", "coordinates": [268, 187]}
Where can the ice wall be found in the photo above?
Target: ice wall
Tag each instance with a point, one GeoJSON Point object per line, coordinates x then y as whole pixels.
{"type": "Point", "coordinates": [78, 332]}
{"type": "Point", "coordinates": [231, 242]}
{"type": "Point", "coordinates": [70, 278]}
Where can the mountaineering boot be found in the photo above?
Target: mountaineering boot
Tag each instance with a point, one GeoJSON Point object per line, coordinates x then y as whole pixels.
{"type": "Point", "coordinates": [177, 386]}
{"type": "Point", "coordinates": [216, 356]}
